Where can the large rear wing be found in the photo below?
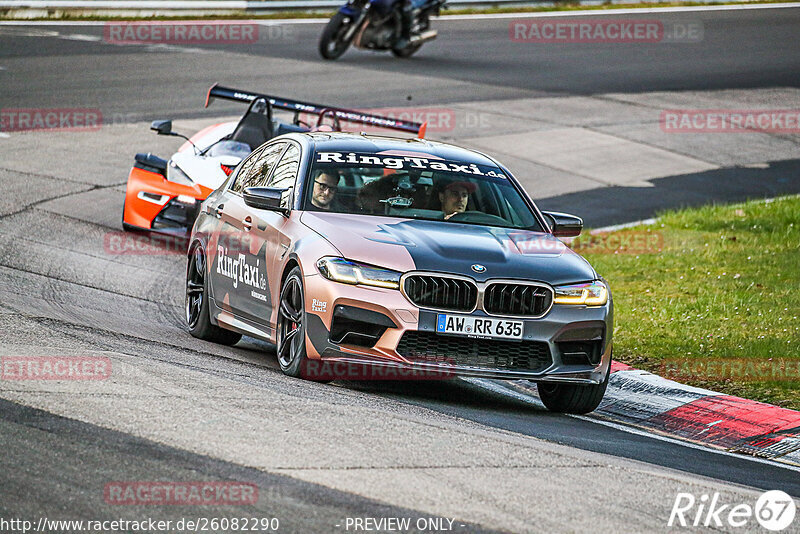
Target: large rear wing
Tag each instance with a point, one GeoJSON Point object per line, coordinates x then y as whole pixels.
{"type": "Point", "coordinates": [238, 95]}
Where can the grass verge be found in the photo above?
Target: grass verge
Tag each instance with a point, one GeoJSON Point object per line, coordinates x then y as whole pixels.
{"type": "Point", "coordinates": [715, 302]}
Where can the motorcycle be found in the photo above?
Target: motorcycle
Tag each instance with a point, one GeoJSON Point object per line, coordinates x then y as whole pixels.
{"type": "Point", "coordinates": [377, 25]}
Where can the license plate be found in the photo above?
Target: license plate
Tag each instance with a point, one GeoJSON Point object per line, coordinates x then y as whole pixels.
{"type": "Point", "coordinates": [486, 327]}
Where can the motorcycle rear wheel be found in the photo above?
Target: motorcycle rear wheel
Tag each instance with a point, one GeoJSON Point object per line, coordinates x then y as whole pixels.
{"type": "Point", "coordinates": [332, 43]}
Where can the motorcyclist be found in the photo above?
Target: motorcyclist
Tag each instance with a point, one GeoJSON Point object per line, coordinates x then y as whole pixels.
{"type": "Point", "coordinates": [407, 9]}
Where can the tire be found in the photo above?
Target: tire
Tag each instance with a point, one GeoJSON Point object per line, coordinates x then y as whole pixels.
{"type": "Point", "coordinates": [291, 328]}
{"type": "Point", "coordinates": [572, 398]}
{"type": "Point", "coordinates": [330, 44]}
{"type": "Point", "coordinates": [407, 51]}
{"type": "Point", "coordinates": [291, 332]}
{"type": "Point", "coordinates": [198, 317]}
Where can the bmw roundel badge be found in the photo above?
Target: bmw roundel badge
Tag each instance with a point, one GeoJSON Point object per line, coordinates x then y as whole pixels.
{"type": "Point", "coordinates": [478, 268]}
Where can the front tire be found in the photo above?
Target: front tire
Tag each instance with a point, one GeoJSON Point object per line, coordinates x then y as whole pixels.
{"type": "Point", "coordinates": [198, 317]}
{"type": "Point", "coordinates": [332, 43]}
{"type": "Point", "coordinates": [572, 398]}
{"type": "Point", "coordinates": [291, 340]}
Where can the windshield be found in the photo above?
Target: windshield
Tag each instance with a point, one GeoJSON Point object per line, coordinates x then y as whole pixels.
{"type": "Point", "coordinates": [227, 147]}
{"type": "Point", "coordinates": [417, 186]}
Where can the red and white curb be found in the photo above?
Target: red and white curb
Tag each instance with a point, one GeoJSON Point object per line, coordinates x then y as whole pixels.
{"type": "Point", "coordinates": [702, 416]}
{"type": "Point", "coordinates": [667, 408]}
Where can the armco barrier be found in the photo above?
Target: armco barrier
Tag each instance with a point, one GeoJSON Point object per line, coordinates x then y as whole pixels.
{"type": "Point", "coordinates": [38, 8]}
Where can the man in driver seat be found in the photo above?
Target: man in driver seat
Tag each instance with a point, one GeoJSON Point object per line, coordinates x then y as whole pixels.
{"type": "Point", "coordinates": [454, 197]}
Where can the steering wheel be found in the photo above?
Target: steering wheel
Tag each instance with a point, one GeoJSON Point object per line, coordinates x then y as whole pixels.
{"type": "Point", "coordinates": [478, 217]}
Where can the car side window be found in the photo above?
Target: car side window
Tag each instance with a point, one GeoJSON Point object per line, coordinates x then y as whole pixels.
{"type": "Point", "coordinates": [245, 168]}
{"type": "Point", "coordinates": [258, 173]}
{"type": "Point", "coordinates": [286, 170]}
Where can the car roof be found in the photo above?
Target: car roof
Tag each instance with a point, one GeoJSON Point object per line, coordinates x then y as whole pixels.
{"type": "Point", "coordinates": [369, 143]}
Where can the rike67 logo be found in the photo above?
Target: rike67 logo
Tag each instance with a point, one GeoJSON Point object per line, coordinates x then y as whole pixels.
{"type": "Point", "coordinates": [774, 510]}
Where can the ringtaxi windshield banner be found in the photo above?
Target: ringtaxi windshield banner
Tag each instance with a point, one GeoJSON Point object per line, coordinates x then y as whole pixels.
{"type": "Point", "coordinates": [421, 162]}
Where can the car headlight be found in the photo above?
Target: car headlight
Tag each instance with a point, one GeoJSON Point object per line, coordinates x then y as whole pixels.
{"type": "Point", "coordinates": [175, 174]}
{"type": "Point", "coordinates": [354, 273]}
{"type": "Point", "coordinates": [588, 294]}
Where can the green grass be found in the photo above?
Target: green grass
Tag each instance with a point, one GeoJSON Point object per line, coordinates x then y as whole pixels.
{"type": "Point", "coordinates": [563, 5]}
{"type": "Point", "coordinates": [726, 285]}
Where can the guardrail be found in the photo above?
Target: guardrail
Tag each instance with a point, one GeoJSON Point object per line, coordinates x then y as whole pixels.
{"type": "Point", "coordinates": [21, 9]}
{"type": "Point", "coordinates": [209, 5]}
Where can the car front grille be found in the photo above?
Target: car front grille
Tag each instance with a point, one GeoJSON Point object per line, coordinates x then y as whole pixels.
{"type": "Point", "coordinates": [441, 292]}
{"type": "Point", "coordinates": [522, 300]}
{"type": "Point", "coordinates": [428, 347]}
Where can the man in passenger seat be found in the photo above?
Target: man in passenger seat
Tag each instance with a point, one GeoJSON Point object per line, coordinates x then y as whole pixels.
{"type": "Point", "coordinates": [326, 184]}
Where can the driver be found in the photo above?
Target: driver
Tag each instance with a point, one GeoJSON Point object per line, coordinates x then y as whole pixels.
{"type": "Point", "coordinates": [325, 186]}
{"type": "Point", "coordinates": [455, 196]}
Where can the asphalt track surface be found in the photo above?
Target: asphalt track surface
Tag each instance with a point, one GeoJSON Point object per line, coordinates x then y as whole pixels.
{"type": "Point", "coordinates": [60, 293]}
{"type": "Point", "coordinates": [471, 60]}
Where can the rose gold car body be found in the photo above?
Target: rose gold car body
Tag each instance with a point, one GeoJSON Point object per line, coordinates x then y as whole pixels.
{"type": "Point", "coordinates": [289, 235]}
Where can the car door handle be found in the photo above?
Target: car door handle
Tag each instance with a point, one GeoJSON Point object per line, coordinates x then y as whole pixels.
{"type": "Point", "coordinates": [218, 210]}
{"type": "Point", "coordinates": [247, 223]}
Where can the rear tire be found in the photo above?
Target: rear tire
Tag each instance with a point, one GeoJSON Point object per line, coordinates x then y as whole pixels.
{"type": "Point", "coordinates": [572, 398]}
{"type": "Point", "coordinates": [198, 317]}
{"type": "Point", "coordinates": [330, 44]}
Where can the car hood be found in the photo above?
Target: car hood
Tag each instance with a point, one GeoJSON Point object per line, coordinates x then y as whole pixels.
{"type": "Point", "coordinates": [437, 246]}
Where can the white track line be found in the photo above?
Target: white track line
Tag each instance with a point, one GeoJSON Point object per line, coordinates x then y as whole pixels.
{"type": "Point", "coordinates": [491, 386]}
{"type": "Point", "coordinates": [445, 18]}
{"type": "Point", "coordinates": [626, 11]}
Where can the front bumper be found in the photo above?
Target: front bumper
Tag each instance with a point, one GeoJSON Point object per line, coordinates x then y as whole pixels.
{"type": "Point", "coordinates": [351, 327]}
{"type": "Point", "coordinates": [154, 203]}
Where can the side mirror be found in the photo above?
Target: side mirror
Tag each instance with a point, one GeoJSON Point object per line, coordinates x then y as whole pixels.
{"type": "Point", "coordinates": [266, 198]}
{"type": "Point", "coordinates": [162, 127]}
{"type": "Point", "coordinates": [564, 224]}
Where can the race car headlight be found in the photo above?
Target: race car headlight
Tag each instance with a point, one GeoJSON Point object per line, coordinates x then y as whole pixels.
{"type": "Point", "coordinates": [588, 294]}
{"type": "Point", "coordinates": [354, 273]}
{"type": "Point", "coordinates": [175, 174]}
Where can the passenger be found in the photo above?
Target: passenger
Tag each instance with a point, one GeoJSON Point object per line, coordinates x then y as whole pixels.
{"type": "Point", "coordinates": [369, 197]}
{"type": "Point", "coordinates": [326, 184]}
